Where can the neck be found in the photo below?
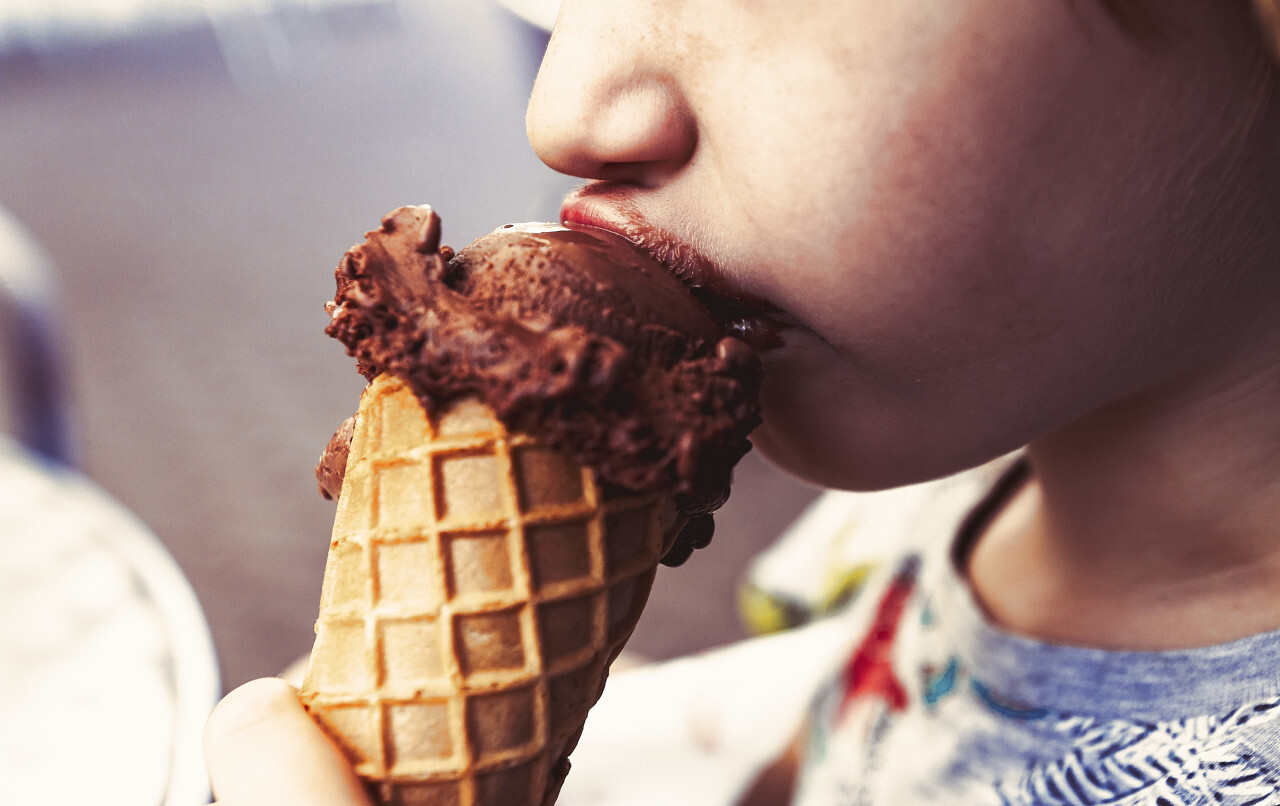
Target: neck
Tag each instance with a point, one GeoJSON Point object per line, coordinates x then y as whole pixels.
{"type": "Point", "coordinates": [1154, 524]}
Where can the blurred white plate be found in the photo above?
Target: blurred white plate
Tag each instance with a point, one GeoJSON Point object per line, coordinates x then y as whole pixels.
{"type": "Point", "coordinates": [107, 669]}
{"type": "Point", "coordinates": [541, 13]}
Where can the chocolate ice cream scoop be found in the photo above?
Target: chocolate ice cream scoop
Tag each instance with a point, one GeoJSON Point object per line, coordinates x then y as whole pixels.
{"type": "Point", "coordinates": [575, 336]}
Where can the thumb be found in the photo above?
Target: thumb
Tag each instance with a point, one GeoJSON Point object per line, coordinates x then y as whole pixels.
{"type": "Point", "coordinates": [262, 749]}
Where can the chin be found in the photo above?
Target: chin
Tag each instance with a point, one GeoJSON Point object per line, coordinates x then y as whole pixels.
{"type": "Point", "coordinates": [824, 422]}
{"type": "Point", "coordinates": [857, 462]}
{"type": "Point", "coordinates": [827, 463]}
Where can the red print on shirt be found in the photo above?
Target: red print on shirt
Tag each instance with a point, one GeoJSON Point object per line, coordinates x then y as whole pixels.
{"type": "Point", "coordinates": [869, 671]}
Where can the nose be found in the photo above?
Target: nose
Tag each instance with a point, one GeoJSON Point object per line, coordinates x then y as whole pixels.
{"type": "Point", "coordinates": [605, 105]}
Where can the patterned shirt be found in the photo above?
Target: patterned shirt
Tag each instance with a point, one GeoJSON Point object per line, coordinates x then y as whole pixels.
{"type": "Point", "coordinates": [936, 706]}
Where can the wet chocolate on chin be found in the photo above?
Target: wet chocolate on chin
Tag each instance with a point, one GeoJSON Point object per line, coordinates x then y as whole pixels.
{"type": "Point", "coordinates": [575, 337]}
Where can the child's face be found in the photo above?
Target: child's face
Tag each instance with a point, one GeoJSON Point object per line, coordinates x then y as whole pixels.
{"type": "Point", "coordinates": [978, 217]}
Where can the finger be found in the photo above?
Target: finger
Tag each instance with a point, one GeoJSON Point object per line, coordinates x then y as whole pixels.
{"type": "Point", "coordinates": [262, 749]}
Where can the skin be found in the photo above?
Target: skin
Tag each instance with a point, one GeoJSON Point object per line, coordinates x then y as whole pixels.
{"type": "Point", "coordinates": [963, 210]}
{"type": "Point", "coordinates": [985, 224]}
{"type": "Point", "coordinates": [261, 749]}
{"type": "Point", "coordinates": [988, 225]}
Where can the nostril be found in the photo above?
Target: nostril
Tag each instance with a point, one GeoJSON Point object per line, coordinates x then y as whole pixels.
{"type": "Point", "coordinates": [606, 102]}
{"type": "Point", "coordinates": [636, 130]}
{"type": "Point", "coordinates": [645, 123]}
{"type": "Point", "coordinates": [647, 174]}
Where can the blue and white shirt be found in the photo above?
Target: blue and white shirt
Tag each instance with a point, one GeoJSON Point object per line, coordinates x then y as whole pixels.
{"type": "Point", "coordinates": [936, 706]}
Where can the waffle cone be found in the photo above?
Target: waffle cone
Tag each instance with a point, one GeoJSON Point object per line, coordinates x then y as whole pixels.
{"type": "Point", "coordinates": [477, 587]}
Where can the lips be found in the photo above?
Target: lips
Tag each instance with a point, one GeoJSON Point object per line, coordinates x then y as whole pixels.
{"type": "Point", "coordinates": [608, 206]}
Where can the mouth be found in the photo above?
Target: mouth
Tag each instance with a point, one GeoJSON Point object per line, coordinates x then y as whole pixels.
{"type": "Point", "coordinates": [608, 207]}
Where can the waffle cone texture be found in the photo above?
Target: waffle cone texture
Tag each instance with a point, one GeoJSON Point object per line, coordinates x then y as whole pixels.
{"type": "Point", "coordinates": [477, 587]}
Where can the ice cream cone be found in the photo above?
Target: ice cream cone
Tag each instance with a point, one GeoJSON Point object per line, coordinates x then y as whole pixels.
{"type": "Point", "coordinates": [477, 587]}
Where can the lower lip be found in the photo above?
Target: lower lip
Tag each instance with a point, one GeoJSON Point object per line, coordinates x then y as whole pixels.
{"type": "Point", "coordinates": [745, 320]}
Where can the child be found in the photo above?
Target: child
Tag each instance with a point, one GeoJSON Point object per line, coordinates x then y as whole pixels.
{"type": "Point", "coordinates": [977, 225]}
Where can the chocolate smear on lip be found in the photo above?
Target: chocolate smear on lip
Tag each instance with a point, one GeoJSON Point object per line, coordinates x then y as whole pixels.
{"type": "Point", "coordinates": [578, 338]}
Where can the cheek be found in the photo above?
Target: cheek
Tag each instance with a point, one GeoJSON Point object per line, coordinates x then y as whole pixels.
{"type": "Point", "coordinates": [847, 176]}
{"type": "Point", "coordinates": [914, 209]}
{"type": "Point", "coordinates": [930, 230]}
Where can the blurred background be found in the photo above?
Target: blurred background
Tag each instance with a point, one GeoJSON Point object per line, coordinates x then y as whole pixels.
{"type": "Point", "coordinates": [193, 171]}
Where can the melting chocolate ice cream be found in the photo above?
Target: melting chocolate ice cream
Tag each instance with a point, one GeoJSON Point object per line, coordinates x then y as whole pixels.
{"type": "Point", "coordinates": [573, 336]}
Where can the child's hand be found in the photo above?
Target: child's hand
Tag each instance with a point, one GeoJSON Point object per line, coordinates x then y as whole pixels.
{"type": "Point", "coordinates": [262, 749]}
